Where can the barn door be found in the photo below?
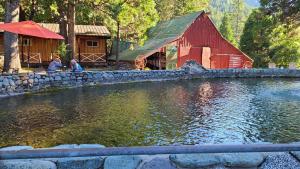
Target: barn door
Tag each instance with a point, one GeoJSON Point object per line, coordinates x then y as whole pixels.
{"type": "Point", "coordinates": [206, 52]}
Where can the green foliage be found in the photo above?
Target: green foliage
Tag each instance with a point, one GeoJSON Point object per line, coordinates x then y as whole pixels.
{"type": "Point", "coordinates": [254, 40]}
{"type": "Point", "coordinates": [1, 11]}
{"type": "Point", "coordinates": [284, 46]}
{"type": "Point", "coordinates": [287, 10]}
{"type": "Point", "coordinates": [266, 39]}
{"type": "Point", "coordinates": [62, 51]}
{"type": "Point", "coordinates": [226, 30]}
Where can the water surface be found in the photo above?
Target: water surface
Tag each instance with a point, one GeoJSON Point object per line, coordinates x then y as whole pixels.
{"type": "Point", "coordinates": [156, 113]}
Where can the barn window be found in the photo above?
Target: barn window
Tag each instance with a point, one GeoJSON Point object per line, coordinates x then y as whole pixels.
{"type": "Point", "coordinates": [26, 42]}
{"type": "Point", "coordinates": [92, 43]}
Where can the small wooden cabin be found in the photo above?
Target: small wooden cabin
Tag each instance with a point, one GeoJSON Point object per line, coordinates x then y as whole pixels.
{"type": "Point", "coordinates": [91, 45]}
{"type": "Point", "coordinates": [189, 37]}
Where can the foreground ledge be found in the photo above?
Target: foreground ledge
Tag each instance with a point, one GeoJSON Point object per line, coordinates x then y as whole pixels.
{"type": "Point", "coordinates": [262, 156]}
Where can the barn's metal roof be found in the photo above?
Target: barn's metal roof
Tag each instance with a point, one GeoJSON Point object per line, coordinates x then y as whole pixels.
{"type": "Point", "coordinates": [161, 34]}
{"type": "Point", "coordinates": [88, 30]}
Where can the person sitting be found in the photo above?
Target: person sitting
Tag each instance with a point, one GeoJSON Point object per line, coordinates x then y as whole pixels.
{"type": "Point", "coordinates": [54, 65]}
{"type": "Point", "coordinates": [75, 67]}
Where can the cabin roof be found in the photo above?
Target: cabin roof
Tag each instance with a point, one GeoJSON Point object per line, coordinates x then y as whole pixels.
{"type": "Point", "coordinates": [87, 30]}
{"type": "Point", "coordinates": [163, 33]}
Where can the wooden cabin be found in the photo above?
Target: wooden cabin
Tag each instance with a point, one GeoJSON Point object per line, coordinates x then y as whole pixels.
{"type": "Point", "coordinates": [189, 37]}
{"type": "Point", "coordinates": [91, 46]}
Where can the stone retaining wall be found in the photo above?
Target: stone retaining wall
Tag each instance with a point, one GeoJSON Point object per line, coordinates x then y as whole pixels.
{"type": "Point", "coordinates": [13, 84]}
{"type": "Point", "coordinates": [286, 160]}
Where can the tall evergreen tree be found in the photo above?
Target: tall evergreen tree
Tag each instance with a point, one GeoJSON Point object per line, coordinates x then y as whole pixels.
{"type": "Point", "coordinates": [287, 10]}
{"type": "Point", "coordinates": [254, 41]}
{"type": "Point", "coordinates": [11, 49]}
{"type": "Point", "coordinates": [226, 29]}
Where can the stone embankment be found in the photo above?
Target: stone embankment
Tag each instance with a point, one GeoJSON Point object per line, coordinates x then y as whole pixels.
{"type": "Point", "coordinates": [14, 84]}
{"type": "Point", "coordinates": [287, 160]}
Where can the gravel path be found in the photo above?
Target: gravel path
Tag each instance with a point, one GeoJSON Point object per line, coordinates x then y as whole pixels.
{"type": "Point", "coordinates": [281, 161]}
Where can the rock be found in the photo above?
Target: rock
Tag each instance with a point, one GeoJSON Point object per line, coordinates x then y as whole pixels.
{"type": "Point", "coordinates": [158, 163]}
{"type": "Point", "coordinates": [195, 160]}
{"type": "Point", "coordinates": [65, 146]}
{"type": "Point", "coordinates": [30, 81]}
{"type": "Point", "coordinates": [238, 160]}
{"type": "Point", "coordinates": [91, 146]}
{"type": "Point", "coordinates": [79, 162]}
{"type": "Point", "coordinates": [5, 82]}
{"type": "Point", "coordinates": [192, 67]}
{"type": "Point", "coordinates": [69, 146]}
{"type": "Point", "coordinates": [18, 82]}
{"type": "Point", "coordinates": [296, 154]}
{"type": "Point", "coordinates": [26, 164]}
{"type": "Point", "coordinates": [280, 161]}
{"type": "Point", "coordinates": [16, 148]}
{"type": "Point", "coordinates": [122, 162]}
{"type": "Point", "coordinates": [242, 160]}
{"type": "Point", "coordinates": [57, 78]}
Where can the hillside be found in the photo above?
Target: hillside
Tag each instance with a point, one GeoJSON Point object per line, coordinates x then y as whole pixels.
{"type": "Point", "coordinates": [219, 8]}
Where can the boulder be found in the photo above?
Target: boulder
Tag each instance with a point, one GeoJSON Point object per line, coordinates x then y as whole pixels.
{"type": "Point", "coordinates": [158, 163]}
{"type": "Point", "coordinates": [79, 162]}
{"type": "Point", "coordinates": [122, 162]}
{"type": "Point", "coordinates": [192, 67]}
{"type": "Point", "coordinates": [296, 154]}
{"type": "Point", "coordinates": [242, 160]}
{"type": "Point", "coordinates": [195, 160]}
{"type": "Point", "coordinates": [26, 164]}
{"type": "Point", "coordinates": [16, 148]}
{"type": "Point", "coordinates": [235, 160]}
{"type": "Point", "coordinates": [69, 146]}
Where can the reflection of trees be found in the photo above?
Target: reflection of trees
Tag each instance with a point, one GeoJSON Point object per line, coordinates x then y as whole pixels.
{"type": "Point", "coordinates": [120, 119]}
{"type": "Point", "coordinates": [151, 113]}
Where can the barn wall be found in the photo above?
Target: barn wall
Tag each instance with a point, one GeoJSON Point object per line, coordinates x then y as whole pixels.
{"type": "Point", "coordinates": [202, 33]}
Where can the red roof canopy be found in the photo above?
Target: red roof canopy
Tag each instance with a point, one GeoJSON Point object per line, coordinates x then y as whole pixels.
{"type": "Point", "coordinates": [29, 28]}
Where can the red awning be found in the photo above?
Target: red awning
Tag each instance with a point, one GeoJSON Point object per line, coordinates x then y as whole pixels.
{"type": "Point", "coordinates": [29, 28]}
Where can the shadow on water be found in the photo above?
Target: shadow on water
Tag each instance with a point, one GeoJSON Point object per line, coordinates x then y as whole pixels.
{"type": "Point", "coordinates": [156, 113]}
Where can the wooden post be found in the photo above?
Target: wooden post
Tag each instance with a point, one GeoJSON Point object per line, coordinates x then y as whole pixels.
{"type": "Point", "coordinates": [106, 53]}
{"type": "Point", "coordinates": [22, 48]}
{"type": "Point", "coordinates": [78, 45]}
{"type": "Point", "coordinates": [28, 51]}
{"type": "Point", "coordinates": [159, 61]}
{"type": "Point", "coordinates": [117, 45]}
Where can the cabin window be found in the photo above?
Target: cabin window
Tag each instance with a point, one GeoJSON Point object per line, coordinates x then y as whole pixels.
{"type": "Point", "coordinates": [26, 42]}
{"type": "Point", "coordinates": [92, 43]}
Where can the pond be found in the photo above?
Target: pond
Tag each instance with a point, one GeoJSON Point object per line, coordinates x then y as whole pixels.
{"type": "Point", "coordinates": [156, 113]}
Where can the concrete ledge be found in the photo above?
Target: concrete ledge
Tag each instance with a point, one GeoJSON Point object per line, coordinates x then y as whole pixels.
{"type": "Point", "coordinates": [248, 160]}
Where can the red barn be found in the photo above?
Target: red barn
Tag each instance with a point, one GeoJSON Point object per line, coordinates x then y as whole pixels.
{"type": "Point", "coordinates": [189, 37]}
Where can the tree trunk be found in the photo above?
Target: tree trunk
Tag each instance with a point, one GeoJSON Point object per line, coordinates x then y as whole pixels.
{"type": "Point", "coordinates": [62, 10]}
{"type": "Point", "coordinates": [118, 45]}
{"type": "Point", "coordinates": [71, 29]}
{"type": "Point", "coordinates": [32, 10]}
{"type": "Point", "coordinates": [11, 49]}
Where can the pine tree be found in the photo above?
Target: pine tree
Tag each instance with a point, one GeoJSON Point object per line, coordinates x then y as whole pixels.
{"type": "Point", "coordinates": [11, 50]}
{"type": "Point", "coordinates": [226, 30]}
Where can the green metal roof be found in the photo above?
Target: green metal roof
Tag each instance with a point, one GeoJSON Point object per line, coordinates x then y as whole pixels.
{"type": "Point", "coordinates": [161, 34]}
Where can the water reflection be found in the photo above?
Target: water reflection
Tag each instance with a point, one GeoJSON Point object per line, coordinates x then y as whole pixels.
{"type": "Point", "coordinates": [156, 113]}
